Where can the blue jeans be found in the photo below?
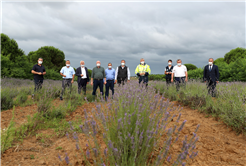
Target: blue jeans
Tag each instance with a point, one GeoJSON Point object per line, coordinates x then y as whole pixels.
{"type": "Point", "coordinates": [38, 84]}
{"type": "Point", "coordinates": [97, 83]}
{"type": "Point", "coordinates": [110, 84]}
{"type": "Point", "coordinates": [180, 81]}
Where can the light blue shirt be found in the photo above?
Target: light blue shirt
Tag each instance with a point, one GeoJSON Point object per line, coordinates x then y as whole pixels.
{"type": "Point", "coordinates": [110, 74]}
{"type": "Point", "coordinates": [68, 72]}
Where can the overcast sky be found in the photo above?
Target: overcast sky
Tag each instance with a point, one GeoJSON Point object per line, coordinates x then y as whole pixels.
{"type": "Point", "coordinates": [112, 31]}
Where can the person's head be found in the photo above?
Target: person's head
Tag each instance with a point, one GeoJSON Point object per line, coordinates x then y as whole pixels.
{"type": "Point", "coordinates": [123, 62]}
{"type": "Point", "coordinates": [98, 63]}
{"type": "Point", "coordinates": [210, 61]}
{"type": "Point", "coordinates": [82, 63]}
{"type": "Point", "coordinates": [179, 62]}
{"type": "Point", "coordinates": [40, 61]}
{"type": "Point", "coordinates": [142, 61]}
{"type": "Point", "coordinates": [109, 65]}
{"type": "Point", "coordinates": [170, 62]}
{"type": "Point", "coordinates": [68, 63]}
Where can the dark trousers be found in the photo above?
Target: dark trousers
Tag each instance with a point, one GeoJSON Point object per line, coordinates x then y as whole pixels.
{"type": "Point", "coordinates": [97, 83]}
{"type": "Point", "coordinates": [110, 84]}
{"type": "Point", "coordinates": [180, 81]}
{"type": "Point", "coordinates": [38, 84]}
{"type": "Point", "coordinates": [66, 83]}
{"type": "Point", "coordinates": [168, 81]}
{"type": "Point", "coordinates": [82, 85]}
{"type": "Point", "coordinates": [211, 87]}
{"type": "Point", "coordinates": [145, 80]}
{"type": "Point", "coordinates": [121, 81]}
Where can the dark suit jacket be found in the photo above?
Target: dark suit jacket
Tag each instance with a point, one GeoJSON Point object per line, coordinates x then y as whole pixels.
{"type": "Point", "coordinates": [79, 72]}
{"type": "Point", "coordinates": [212, 75]}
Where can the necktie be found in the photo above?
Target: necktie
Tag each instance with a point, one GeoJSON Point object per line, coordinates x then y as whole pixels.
{"type": "Point", "coordinates": [210, 67]}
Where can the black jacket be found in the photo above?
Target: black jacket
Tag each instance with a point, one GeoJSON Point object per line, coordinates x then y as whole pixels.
{"type": "Point", "coordinates": [79, 72]}
{"type": "Point", "coordinates": [212, 75]}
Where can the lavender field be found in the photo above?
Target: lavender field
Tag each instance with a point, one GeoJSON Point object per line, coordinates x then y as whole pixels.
{"type": "Point", "coordinates": [138, 126]}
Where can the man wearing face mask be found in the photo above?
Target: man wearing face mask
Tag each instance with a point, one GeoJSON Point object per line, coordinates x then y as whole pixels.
{"type": "Point", "coordinates": [97, 76]}
{"type": "Point", "coordinates": [168, 72]}
{"type": "Point", "coordinates": [143, 71]}
{"type": "Point", "coordinates": [38, 70]}
{"type": "Point", "coordinates": [67, 72]}
{"type": "Point", "coordinates": [110, 76]}
{"type": "Point", "coordinates": [180, 74]}
{"type": "Point", "coordinates": [83, 77]}
{"type": "Point", "coordinates": [122, 73]}
{"type": "Point", "coordinates": [211, 76]}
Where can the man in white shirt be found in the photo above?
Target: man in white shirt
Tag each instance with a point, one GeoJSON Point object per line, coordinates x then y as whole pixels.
{"type": "Point", "coordinates": [122, 73]}
{"type": "Point", "coordinates": [67, 72]}
{"type": "Point", "coordinates": [180, 74]}
{"type": "Point", "coordinates": [83, 77]}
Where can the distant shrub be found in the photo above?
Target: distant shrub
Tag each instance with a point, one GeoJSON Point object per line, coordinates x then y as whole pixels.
{"type": "Point", "coordinates": [6, 101]}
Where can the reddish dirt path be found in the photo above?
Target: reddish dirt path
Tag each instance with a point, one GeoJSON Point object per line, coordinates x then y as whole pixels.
{"type": "Point", "coordinates": [217, 146]}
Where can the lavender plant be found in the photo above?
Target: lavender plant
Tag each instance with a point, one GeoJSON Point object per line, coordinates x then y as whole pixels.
{"type": "Point", "coordinates": [132, 126]}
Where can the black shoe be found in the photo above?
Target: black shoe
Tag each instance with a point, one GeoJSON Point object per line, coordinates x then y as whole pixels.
{"type": "Point", "coordinates": [61, 98]}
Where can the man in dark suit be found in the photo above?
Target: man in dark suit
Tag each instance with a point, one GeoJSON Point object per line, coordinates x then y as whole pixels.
{"type": "Point", "coordinates": [211, 76]}
{"type": "Point", "coordinates": [83, 77]}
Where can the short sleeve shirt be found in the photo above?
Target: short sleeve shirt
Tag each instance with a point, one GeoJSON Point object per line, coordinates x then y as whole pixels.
{"type": "Point", "coordinates": [179, 71]}
{"type": "Point", "coordinates": [68, 72]}
{"type": "Point", "coordinates": [38, 68]}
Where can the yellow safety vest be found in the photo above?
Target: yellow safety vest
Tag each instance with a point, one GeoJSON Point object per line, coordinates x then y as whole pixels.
{"type": "Point", "coordinates": [142, 69]}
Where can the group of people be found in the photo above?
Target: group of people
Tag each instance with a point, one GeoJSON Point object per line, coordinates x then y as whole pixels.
{"type": "Point", "coordinates": [120, 76]}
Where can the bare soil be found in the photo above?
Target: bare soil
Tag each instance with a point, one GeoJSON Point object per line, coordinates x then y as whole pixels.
{"type": "Point", "coordinates": [218, 145]}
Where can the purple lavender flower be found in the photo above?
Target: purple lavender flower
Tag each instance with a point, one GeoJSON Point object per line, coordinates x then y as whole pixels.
{"type": "Point", "coordinates": [95, 152]}
{"type": "Point", "coordinates": [59, 157]}
{"type": "Point", "coordinates": [67, 135]}
{"type": "Point", "coordinates": [169, 158]}
{"type": "Point", "coordinates": [88, 153]}
{"type": "Point", "coordinates": [77, 146]}
{"type": "Point", "coordinates": [110, 145]}
{"type": "Point", "coordinates": [182, 125]}
{"type": "Point", "coordinates": [105, 152]}
{"type": "Point", "coordinates": [183, 164]}
{"type": "Point", "coordinates": [67, 159]}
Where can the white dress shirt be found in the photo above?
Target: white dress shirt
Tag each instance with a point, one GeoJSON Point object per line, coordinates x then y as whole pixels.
{"type": "Point", "coordinates": [83, 72]}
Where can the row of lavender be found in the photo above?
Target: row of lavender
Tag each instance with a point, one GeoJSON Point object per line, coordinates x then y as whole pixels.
{"type": "Point", "coordinates": [229, 105]}
{"type": "Point", "coordinates": [137, 127]}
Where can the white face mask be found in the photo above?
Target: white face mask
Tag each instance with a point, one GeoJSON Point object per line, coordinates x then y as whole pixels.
{"type": "Point", "coordinates": [40, 62]}
{"type": "Point", "coordinates": [123, 64]}
{"type": "Point", "coordinates": [179, 64]}
{"type": "Point", "coordinates": [98, 64]}
{"type": "Point", "coordinates": [210, 63]}
{"type": "Point", "coordinates": [109, 67]}
{"type": "Point", "coordinates": [169, 63]}
{"type": "Point", "coordinates": [142, 62]}
{"type": "Point", "coordinates": [82, 65]}
{"type": "Point", "coordinates": [67, 65]}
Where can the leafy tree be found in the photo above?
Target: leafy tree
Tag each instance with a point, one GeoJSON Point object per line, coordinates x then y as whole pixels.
{"type": "Point", "coordinates": [190, 67]}
{"type": "Point", "coordinates": [219, 60]}
{"type": "Point", "coordinates": [9, 47]}
{"type": "Point", "coordinates": [196, 73]}
{"type": "Point", "coordinates": [53, 58]}
{"type": "Point", "coordinates": [235, 54]}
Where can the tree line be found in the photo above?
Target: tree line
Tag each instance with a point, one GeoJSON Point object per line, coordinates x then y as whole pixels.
{"type": "Point", "coordinates": [14, 63]}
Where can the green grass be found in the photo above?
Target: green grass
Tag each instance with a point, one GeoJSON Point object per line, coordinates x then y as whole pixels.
{"type": "Point", "coordinates": [228, 106]}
